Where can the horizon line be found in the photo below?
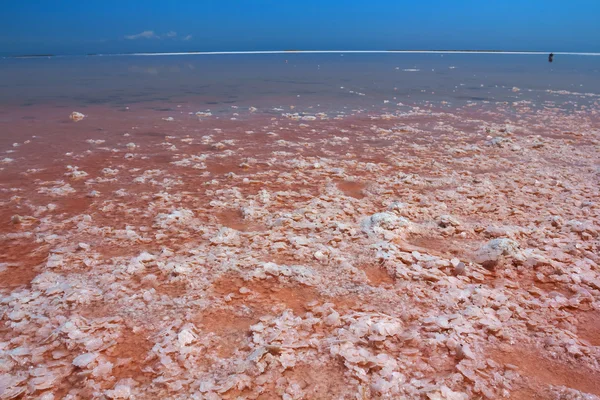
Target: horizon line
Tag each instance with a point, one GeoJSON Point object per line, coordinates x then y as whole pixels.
{"type": "Point", "coordinates": [515, 52]}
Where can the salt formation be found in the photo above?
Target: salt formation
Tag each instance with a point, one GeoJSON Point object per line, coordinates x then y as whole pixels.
{"type": "Point", "coordinates": [76, 116]}
{"type": "Point", "coordinates": [490, 254]}
{"type": "Point", "coordinates": [418, 253]}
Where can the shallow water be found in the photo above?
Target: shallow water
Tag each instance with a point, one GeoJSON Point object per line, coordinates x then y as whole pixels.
{"type": "Point", "coordinates": [333, 81]}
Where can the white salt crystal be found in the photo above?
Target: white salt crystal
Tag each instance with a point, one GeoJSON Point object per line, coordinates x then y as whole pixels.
{"type": "Point", "coordinates": [84, 360]}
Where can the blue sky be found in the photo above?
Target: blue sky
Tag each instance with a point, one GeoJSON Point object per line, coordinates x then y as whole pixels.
{"type": "Point", "coordinates": [90, 26]}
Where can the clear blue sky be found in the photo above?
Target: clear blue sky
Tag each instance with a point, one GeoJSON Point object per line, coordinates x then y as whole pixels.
{"type": "Point", "coordinates": [91, 26]}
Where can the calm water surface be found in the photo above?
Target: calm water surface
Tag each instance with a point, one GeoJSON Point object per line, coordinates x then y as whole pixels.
{"type": "Point", "coordinates": [330, 81]}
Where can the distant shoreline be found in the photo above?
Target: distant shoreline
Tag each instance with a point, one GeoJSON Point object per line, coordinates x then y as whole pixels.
{"type": "Point", "coordinates": [532, 52]}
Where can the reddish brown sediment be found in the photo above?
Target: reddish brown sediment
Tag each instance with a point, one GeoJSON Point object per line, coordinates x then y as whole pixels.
{"type": "Point", "coordinates": [352, 189]}
{"type": "Point", "coordinates": [421, 254]}
{"type": "Point", "coordinates": [540, 372]}
{"type": "Point", "coordinates": [588, 326]}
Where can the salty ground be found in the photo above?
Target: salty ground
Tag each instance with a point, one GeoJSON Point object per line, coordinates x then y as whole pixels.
{"type": "Point", "coordinates": [417, 252]}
